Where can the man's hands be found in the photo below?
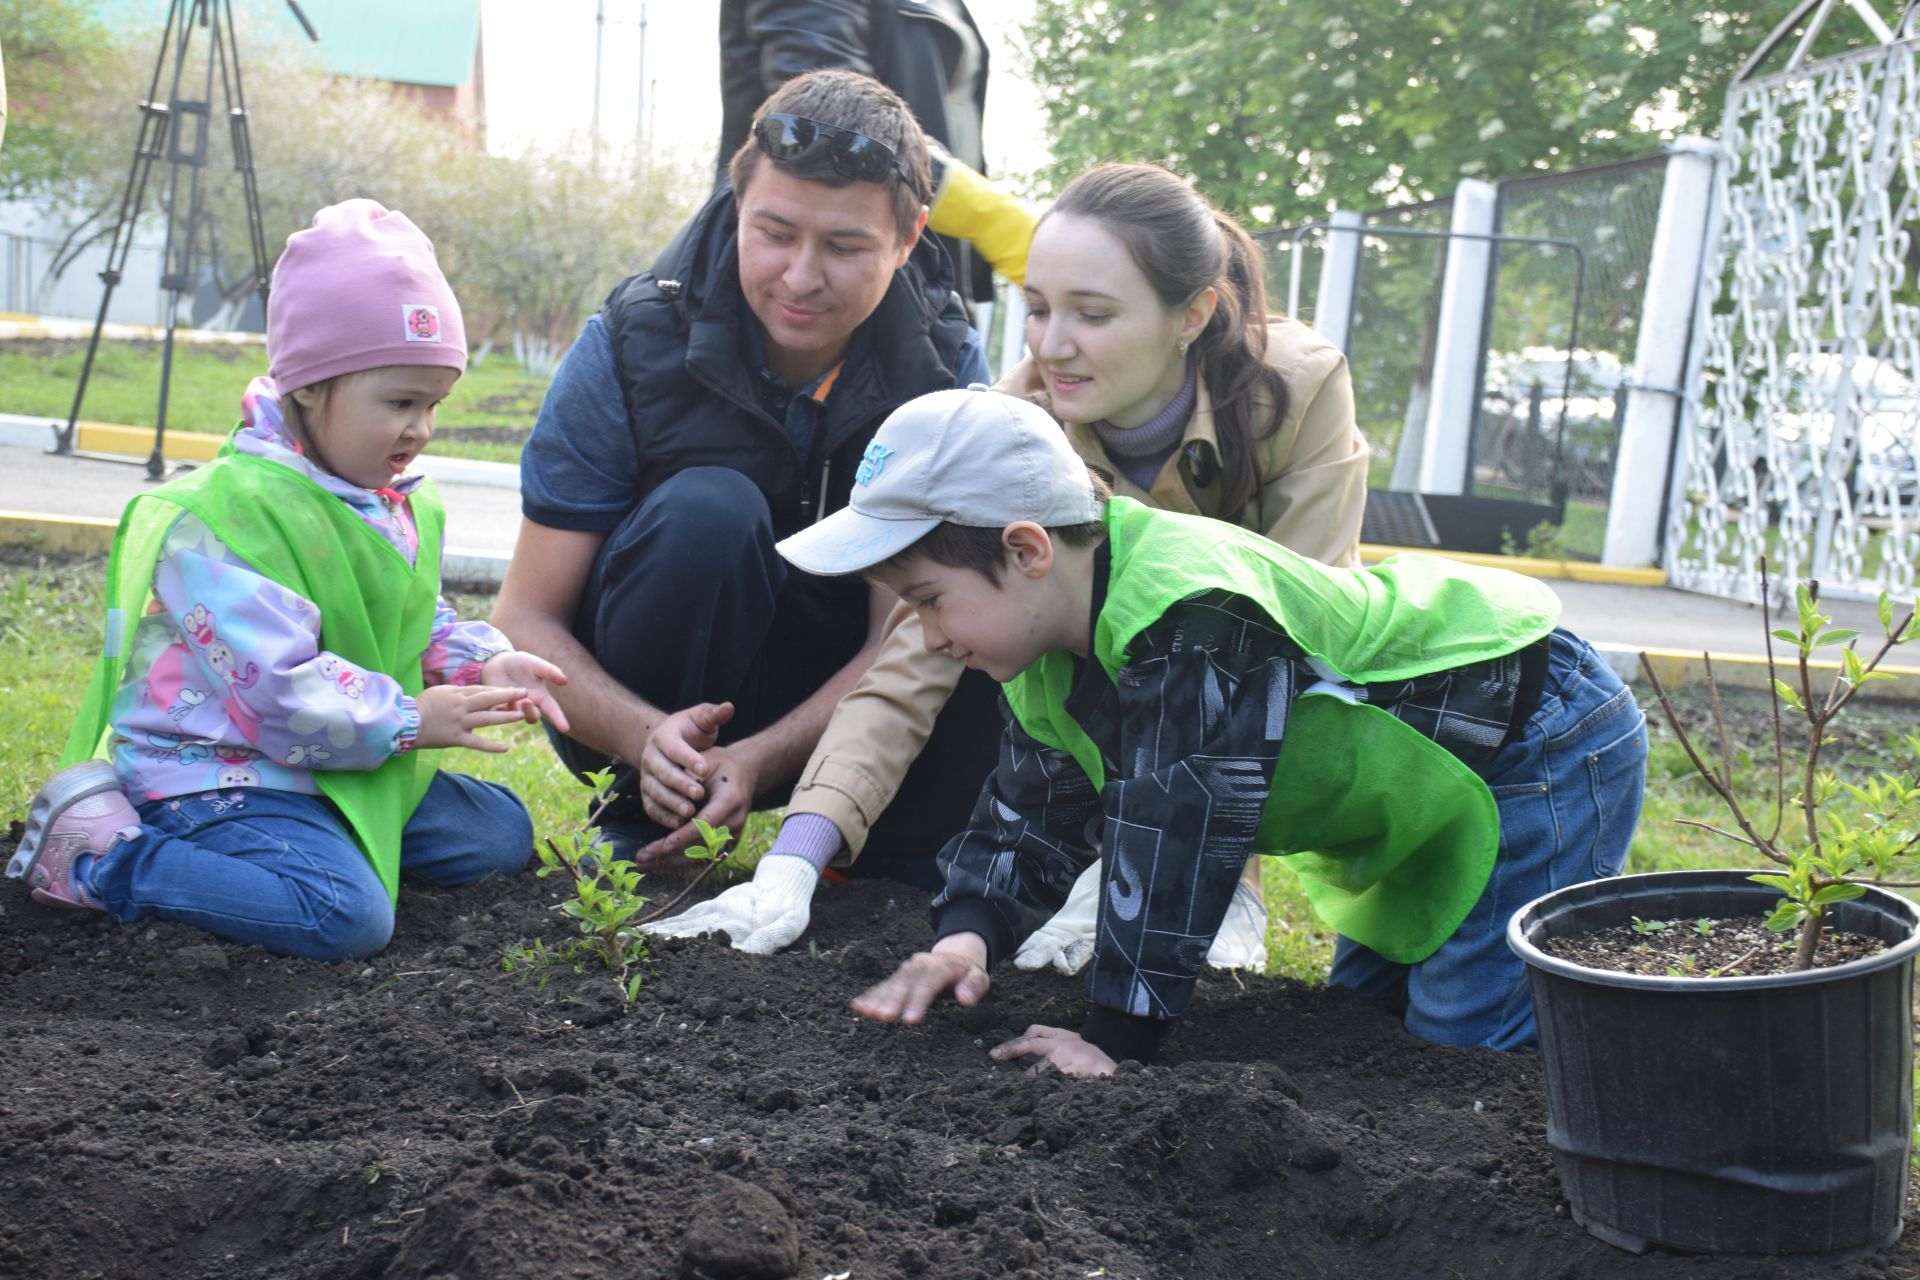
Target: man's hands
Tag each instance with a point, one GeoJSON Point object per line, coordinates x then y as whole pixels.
{"type": "Point", "coordinates": [449, 714]}
{"type": "Point", "coordinates": [684, 775]}
{"type": "Point", "coordinates": [761, 916]}
{"type": "Point", "coordinates": [1066, 941]}
{"type": "Point", "coordinates": [534, 675]}
{"type": "Point", "coordinates": [1065, 1051]}
{"type": "Point", "coordinates": [958, 962]}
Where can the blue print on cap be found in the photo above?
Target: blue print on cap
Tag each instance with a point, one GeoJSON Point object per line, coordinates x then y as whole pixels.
{"type": "Point", "coordinates": [871, 462]}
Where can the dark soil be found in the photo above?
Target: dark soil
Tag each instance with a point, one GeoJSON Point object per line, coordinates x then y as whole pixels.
{"type": "Point", "coordinates": [182, 1107]}
{"type": "Point", "coordinates": [1739, 947]}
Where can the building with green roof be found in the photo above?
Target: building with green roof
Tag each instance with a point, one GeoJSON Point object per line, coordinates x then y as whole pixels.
{"type": "Point", "coordinates": [430, 47]}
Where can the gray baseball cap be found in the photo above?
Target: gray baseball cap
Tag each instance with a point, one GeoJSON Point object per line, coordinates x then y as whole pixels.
{"type": "Point", "coordinates": [975, 457]}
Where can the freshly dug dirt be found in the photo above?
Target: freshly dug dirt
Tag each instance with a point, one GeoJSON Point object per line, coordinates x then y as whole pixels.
{"type": "Point", "coordinates": [181, 1107]}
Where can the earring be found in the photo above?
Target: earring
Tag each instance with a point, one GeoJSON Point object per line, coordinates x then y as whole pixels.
{"type": "Point", "coordinates": [1184, 344]}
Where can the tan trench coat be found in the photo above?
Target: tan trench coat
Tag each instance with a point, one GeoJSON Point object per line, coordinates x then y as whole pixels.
{"type": "Point", "coordinates": [1313, 490]}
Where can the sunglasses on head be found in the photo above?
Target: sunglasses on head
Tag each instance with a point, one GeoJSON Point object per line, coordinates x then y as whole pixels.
{"type": "Point", "coordinates": [854, 155]}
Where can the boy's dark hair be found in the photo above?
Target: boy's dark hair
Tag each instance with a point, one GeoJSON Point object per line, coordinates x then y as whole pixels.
{"type": "Point", "coordinates": [978, 548]}
{"type": "Point", "coordinates": [846, 100]}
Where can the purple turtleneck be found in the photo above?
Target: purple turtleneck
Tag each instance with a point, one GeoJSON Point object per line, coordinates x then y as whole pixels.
{"type": "Point", "coordinates": [1141, 451]}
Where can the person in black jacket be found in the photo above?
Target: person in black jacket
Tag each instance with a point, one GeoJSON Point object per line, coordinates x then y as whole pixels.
{"type": "Point", "coordinates": [930, 52]}
{"type": "Point", "coordinates": [717, 403]}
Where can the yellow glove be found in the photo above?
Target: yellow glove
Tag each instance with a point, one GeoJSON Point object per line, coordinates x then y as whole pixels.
{"type": "Point", "coordinates": [968, 206]}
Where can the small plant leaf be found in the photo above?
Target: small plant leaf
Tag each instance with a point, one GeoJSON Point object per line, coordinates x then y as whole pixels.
{"type": "Point", "coordinates": [1838, 893]}
{"type": "Point", "coordinates": [1787, 916]}
{"type": "Point", "coordinates": [1788, 695]}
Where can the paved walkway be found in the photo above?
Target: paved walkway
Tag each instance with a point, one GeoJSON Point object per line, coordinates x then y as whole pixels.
{"type": "Point", "coordinates": [483, 519]}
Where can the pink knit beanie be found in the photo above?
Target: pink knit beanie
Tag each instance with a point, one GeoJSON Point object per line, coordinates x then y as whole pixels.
{"type": "Point", "coordinates": [359, 289]}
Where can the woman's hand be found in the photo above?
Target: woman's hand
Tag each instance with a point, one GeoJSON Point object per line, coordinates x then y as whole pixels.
{"type": "Point", "coordinates": [957, 963]}
{"type": "Point", "coordinates": [1069, 1054]}
{"type": "Point", "coordinates": [535, 675]}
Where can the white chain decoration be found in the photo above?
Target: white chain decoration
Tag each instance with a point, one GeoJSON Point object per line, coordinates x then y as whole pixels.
{"type": "Point", "coordinates": [1802, 442]}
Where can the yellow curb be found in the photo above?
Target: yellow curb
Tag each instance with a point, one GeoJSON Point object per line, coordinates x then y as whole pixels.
{"type": "Point", "coordinates": [18, 317]}
{"type": "Point", "coordinates": [104, 437]}
{"type": "Point", "coordinates": [1677, 667]}
{"type": "Point", "coordinates": [1566, 570]}
{"type": "Point", "coordinates": [56, 533]}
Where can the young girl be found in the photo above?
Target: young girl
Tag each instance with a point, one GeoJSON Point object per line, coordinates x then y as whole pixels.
{"type": "Point", "coordinates": [277, 662]}
{"type": "Point", "coordinates": [1148, 338]}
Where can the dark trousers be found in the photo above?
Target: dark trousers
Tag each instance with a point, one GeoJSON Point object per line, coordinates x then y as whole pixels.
{"type": "Point", "coordinates": [688, 602]}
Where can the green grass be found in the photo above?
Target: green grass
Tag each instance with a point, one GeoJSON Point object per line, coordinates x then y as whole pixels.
{"type": "Point", "coordinates": [207, 382]}
{"type": "Point", "coordinates": [49, 620]}
{"type": "Point", "coordinates": [50, 617]}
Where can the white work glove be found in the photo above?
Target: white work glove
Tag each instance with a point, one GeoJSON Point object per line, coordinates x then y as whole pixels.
{"type": "Point", "coordinates": [1242, 940]}
{"type": "Point", "coordinates": [1066, 941]}
{"type": "Point", "coordinates": [762, 915]}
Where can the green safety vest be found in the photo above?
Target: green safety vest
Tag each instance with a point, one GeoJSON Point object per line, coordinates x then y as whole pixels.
{"type": "Point", "coordinates": [1392, 836]}
{"type": "Point", "coordinates": [376, 610]}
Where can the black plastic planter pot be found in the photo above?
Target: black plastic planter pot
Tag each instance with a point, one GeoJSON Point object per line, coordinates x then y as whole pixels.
{"type": "Point", "coordinates": [1767, 1114]}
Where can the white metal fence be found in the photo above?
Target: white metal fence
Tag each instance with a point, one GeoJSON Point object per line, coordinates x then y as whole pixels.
{"type": "Point", "coordinates": [1803, 418]}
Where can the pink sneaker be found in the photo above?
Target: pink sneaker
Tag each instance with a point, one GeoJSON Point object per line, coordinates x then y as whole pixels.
{"type": "Point", "coordinates": [81, 810]}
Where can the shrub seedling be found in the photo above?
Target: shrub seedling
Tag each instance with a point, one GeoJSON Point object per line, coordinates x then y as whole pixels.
{"type": "Point", "coordinates": [1834, 849]}
{"type": "Point", "coordinates": [606, 902]}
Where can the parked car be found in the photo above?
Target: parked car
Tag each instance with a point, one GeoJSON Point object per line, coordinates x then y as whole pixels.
{"type": "Point", "coordinates": [1534, 405]}
{"type": "Point", "coordinates": [1878, 455]}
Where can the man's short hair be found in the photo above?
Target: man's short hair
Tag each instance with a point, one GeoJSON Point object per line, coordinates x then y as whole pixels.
{"type": "Point", "coordinates": [846, 100]}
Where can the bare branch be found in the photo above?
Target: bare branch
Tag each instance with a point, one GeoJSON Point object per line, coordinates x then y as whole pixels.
{"type": "Point", "coordinates": [1773, 692]}
{"type": "Point", "coordinates": [1686, 743]}
{"type": "Point", "coordinates": [1719, 722]}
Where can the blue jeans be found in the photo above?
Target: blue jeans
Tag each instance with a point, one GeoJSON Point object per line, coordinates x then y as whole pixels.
{"type": "Point", "coordinates": [282, 869]}
{"type": "Point", "coordinates": [1569, 791]}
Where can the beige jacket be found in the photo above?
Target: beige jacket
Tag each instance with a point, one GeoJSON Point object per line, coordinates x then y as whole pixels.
{"type": "Point", "coordinates": [1313, 490]}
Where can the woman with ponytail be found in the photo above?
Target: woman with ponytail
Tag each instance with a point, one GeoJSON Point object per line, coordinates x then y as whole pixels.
{"type": "Point", "coordinates": [1148, 338]}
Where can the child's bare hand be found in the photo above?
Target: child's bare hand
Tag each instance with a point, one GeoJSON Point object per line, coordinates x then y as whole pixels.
{"type": "Point", "coordinates": [674, 765]}
{"type": "Point", "coordinates": [957, 963]}
{"type": "Point", "coordinates": [1069, 1054]}
{"type": "Point", "coordinates": [449, 714]}
{"type": "Point", "coordinates": [536, 675]}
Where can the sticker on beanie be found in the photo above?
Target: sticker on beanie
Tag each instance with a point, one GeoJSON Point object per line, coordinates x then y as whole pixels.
{"type": "Point", "coordinates": [422, 321]}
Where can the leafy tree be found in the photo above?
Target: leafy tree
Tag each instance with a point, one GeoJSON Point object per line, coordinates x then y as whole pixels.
{"type": "Point", "coordinates": [531, 243]}
{"type": "Point", "coordinates": [1283, 109]}
{"type": "Point", "coordinates": [67, 73]}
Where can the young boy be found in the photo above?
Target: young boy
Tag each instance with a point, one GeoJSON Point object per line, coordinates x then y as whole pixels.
{"type": "Point", "coordinates": [1417, 739]}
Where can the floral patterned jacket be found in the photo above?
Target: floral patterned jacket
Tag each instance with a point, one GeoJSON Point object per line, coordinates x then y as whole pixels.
{"type": "Point", "coordinates": [227, 684]}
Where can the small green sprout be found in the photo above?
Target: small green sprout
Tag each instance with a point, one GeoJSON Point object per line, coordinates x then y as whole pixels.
{"type": "Point", "coordinates": [1648, 926]}
{"type": "Point", "coordinates": [606, 902]}
{"type": "Point", "coordinates": [1704, 927]}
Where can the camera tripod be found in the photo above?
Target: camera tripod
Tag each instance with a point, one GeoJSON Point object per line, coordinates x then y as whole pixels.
{"type": "Point", "coordinates": [178, 130]}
